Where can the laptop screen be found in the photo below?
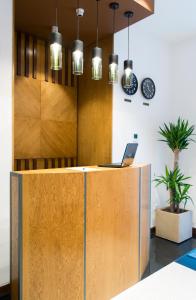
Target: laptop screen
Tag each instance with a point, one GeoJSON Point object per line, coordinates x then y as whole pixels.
{"type": "Point", "coordinates": [129, 154]}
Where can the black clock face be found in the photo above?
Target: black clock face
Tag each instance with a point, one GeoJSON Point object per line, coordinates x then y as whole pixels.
{"type": "Point", "coordinates": [148, 88]}
{"type": "Point", "coordinates": [133, 89]}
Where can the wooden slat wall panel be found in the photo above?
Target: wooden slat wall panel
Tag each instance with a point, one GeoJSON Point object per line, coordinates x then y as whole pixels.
{"type": "Point", "coordinates": [33, 61]}
{"type": "Point", "coordinates": [46, 146]}
{"type": "Point", "coordinates": [44, 163]}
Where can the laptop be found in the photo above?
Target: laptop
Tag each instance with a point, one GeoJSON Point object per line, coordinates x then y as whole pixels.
{"type": "Point", "coordinates": [128, 157]}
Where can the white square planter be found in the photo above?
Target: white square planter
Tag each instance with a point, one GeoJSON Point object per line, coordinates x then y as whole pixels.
{"type": "Point", "coordinates": [174, 227]}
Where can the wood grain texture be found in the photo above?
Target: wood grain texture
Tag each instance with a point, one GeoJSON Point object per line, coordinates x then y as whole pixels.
{"type": "Point", "coordinates": [27, 98]}
{"type": "Point", "coordinates": [27, 134]}
{"type": "Point", "coordinates": [145, 219]}
{"type": "Point", "coordinates": [112, 232]}
{"type": "Point", "coordinates": [45, 114]}
{"type": "Point", "coordinates": [32, 59]}
{"type": "Point", "coordinates": [58, 103]}
{"type": "Point", "coordinates": [58, 139]}
{"type": "Point", "coordinates": [53, 236]}
{"type": "Point", "coordinates": [95, 112]}
{"type": "Point", "coordinates": [14, 217]}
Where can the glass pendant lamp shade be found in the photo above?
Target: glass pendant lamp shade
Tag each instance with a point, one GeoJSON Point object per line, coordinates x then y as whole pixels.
{"type": "Point", "coordinates": [113, 58]}
{"type": "Point", "coordinates": [113, 68]}
{"type": "Point", "coordinates": [78, 57]}
{"type": "Point", "coordinates": [55, 49]}
{"type": "Point", "coordinates": [97, 53]}
{"type": "Point", "coordinates": [78, 46]}
{"type": "Point", "coordinates": [128, 71]}
{"type": "Point", "coordinates": [128, 64]}
{"type": "Point", "coordinates": [97, 63]}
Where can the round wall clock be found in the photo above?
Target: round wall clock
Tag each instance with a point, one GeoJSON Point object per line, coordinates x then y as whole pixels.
{"type": "Point", "coordinates": [133, 89]}
{"type": "Point", "coordinates": [148, 88]}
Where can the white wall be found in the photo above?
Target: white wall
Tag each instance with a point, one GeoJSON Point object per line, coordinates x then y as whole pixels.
{"type": "Point", "coordinates": [184, 101]}
{"type": "Point", "coordinates": [172, 67]}
{"type": "Point", "coordinates": [151, 57]}
{"type": "Point", "coordinates": [6, 20]}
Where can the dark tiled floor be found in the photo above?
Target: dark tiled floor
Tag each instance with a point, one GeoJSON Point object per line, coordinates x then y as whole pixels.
{"type": "Point", "coordinates": [162, 253]}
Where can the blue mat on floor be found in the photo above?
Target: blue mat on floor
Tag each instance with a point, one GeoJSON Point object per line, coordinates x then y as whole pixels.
{"type": "Point", "coordinates": [188, 260]}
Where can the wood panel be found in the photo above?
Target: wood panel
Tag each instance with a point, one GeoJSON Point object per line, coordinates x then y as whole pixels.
{"type": "Point", "coordinates": [14, 217]}
{"type": "Point", "coordinates": [95, 112]}
{"type": "Point", "coordinates": [52, 219]}
{"type": "Point", "coordinates": [32, 60]}
{"type": "Point", "coordinates": [45, 114]}
{"type": "Point", "coordinates": [145, 219]}
{"type": "Point", "coordinates": [27, 98]}
{"type": "Point", "coordinates": [27, 134]}
{"type": "Point", "coordinates": [112, 232]}
{"type": "Point", "coordinates": [58, 139]}
{"type": "Point", "coordinates": [44, 163]}
{"type": "Point", "coordinates": [53, 104]}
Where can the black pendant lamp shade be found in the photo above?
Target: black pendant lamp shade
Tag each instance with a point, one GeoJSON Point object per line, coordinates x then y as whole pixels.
{"type": "Point", "coordinates": [78, 48]}
{"type": "Point", "coordinates": [128, 64]}
{"type": "Point", "coordinates": [97, 54]}
{"type": "Point", "coordinates": [113, 58]}
{"type": "Point", "coordinates": [55, 48]}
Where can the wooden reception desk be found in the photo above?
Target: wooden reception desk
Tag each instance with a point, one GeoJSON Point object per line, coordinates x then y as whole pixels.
{"type": "Point", "coordinates": [78, 233]}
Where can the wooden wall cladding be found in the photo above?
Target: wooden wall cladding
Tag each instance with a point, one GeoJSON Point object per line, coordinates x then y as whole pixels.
{"type": "Point", "coordinates": [51, 236]}
{"type": "Point", "coordinates": [45, 105]}
{"type": "Point", "coordinates": [95, 112]}
{"type": "Point", "coordinates": [32, 59]}
{"type": "Point", "coordinates": [112, 232]}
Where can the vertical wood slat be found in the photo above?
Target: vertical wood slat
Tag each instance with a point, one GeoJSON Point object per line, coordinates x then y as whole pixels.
{"type": "Point", "coordinates": [34, 164]}
{"type": "Point", "coordinates": [69, 70]}
{"type": "Point", "coordinates": [27, 55]}
{"type": "Point", "coordinates": [18, 164]}
{"type": "Point", "coordinates": [34, 57]}
{"type": "Point", "coordinates": [18, 53]}
{"type": "Point", "coordinates": [66, 67]}
{"type": "Point", "coordinates": [46, 60]}
{"type": "Point", "coordinates": [53, 163]}
{"type": "Point", "coordinates": [53, 76]}
{"type": "Point", "coordinates": [41, 60]}
{"type": "Point", "coordinates": [27, 164]}
{"type": "Point", "coordinates": [33, 61]}
{"type": "Point", "coordinates": [49, 69]}
{"type": "Point", "coordinates": [30, 56]}
{"type": "Point", "coordinates": [22, 54]}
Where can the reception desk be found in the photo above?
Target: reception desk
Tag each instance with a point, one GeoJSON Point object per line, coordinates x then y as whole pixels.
{"type": "Point", "coordinates": [78, 233]}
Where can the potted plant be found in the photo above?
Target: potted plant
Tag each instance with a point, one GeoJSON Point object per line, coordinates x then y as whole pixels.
{"type": "Point", "coordinates": [175, 222]}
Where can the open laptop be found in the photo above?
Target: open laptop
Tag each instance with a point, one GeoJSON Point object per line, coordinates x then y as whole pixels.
{"type": "Point", "coordinates": [128, 157]}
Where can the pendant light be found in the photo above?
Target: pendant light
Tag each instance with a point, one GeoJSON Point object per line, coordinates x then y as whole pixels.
{"type": "Point", "coordinates": [113, 58]}
{"type": "Point", "coordinates": [78, 46]}
{"type": "Point", "coordinates": [55, 48]}
{"type": "Point", "coordinates": [97, 54]}
{"type": "Point", "coordinates": [128, 64]}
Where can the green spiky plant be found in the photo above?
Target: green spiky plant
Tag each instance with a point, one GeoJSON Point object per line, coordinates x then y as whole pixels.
{"type": "Point", "coordinates": [178, 136]}
{"type": "Point", "coordinates": [177, 186]}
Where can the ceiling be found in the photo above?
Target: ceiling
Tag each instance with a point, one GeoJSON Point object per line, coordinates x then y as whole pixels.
{"type": "Point", "coordinates": [174, 20]}
{"type": "Point", "coordinates": [37, 17]}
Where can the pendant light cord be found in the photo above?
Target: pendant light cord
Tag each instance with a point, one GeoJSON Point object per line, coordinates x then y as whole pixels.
{"type": "Point", "coordinates": [78, 21]}
{"type": "Point", "coordinates": [114, 18]}
{"type": "Point", "coordinates": [128, 39]}
{"type": "Point", "coordinates": [56, 16]}
{"type": "Point", "coordinates": [97, 23]}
